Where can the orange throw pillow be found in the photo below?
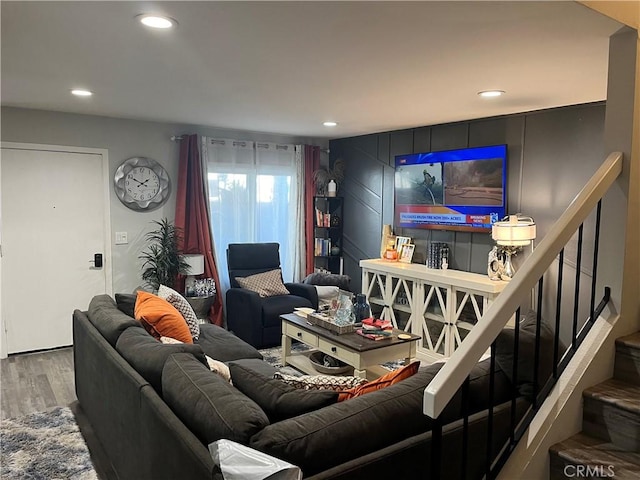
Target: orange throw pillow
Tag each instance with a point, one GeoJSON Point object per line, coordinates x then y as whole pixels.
{"type": "Point", "coordinates": [382, 382]}
{"type": "Point", "coordinates": [160, 318]}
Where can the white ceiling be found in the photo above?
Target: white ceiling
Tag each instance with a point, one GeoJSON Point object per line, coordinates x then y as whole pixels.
{"type": "Point", "coordinates": [285, 67]}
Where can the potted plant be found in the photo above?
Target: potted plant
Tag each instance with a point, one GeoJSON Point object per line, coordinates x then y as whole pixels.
{"type": "Point", "coordinates": [323, 176]}
{"type": "Point", "coordinates": [162, 259]}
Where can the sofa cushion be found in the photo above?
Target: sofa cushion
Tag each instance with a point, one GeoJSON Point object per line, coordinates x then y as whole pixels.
{"type": "Point", "coordinates": [277, 399]}
{"type": "Point", "coordinates": [259, 366]}
{"type": "Point", "coordinates": [273, 307]}
{"type": "Point", "coordinates": [180, 303]}
{"type": "Point", "coordinates": [395, 410]}
{"type": "Point", "coordinates": [216, 366]}
{"type": "Point", "coordinates": [220, 344]}
{"type": "Point", "coordinates": [265, 284]}
{"type": "Point", "coordinates": [207, 404]}
{"type": "Point", "coordinates": [127, 303]}
{"type": "Point", "coordinates": [526, 353]}
{"type": "Point", "coordinates": [160, 318]}
{"type": "Point", "coordinates": [148, 356]}
{"type": "Point", "coordinates": [363, 424]}
{"type": "Point", "coordinates": [110, 322]}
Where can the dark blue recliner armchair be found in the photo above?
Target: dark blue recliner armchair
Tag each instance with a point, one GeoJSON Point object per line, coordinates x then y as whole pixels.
{"type": "Point", "coordinates": [255, 319]}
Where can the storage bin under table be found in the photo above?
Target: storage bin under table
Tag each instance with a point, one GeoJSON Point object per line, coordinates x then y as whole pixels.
{"type": "Point", "coordinates": [363, 354]}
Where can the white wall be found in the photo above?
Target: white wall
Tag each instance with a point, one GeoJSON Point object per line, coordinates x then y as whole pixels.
{"type": "Point", "coordinates": [123, 139]}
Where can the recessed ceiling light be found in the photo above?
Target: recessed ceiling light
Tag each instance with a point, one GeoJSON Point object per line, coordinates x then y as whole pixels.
{"type": "Point", "coordinates": [157, 21]}
{"type": "Point", "coordinates": [329, 124]}
{"type": "Point", "coordinates": [491, 93]}
{"type": "Point", "coordinates": [81, 92]}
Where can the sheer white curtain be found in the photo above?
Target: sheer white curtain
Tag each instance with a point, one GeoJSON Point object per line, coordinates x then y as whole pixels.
{"type": "Point", "coordinates": [300, 260]}
{"type": "Point", "coordinates": [253, 197]}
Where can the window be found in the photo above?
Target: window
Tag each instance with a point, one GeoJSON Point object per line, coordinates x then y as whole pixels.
{"type": "Point", "coordinates": [252, 197]}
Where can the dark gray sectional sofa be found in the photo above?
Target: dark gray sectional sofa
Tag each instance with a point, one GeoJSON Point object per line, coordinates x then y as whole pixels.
{"type": "Point", "coordinates": [155, 408]}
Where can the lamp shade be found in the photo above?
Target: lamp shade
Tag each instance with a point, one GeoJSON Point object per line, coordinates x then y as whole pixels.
{"type": "Point", "coordinates": [195, 262]}
{"type": "Point", "coordinates": [514, 230]}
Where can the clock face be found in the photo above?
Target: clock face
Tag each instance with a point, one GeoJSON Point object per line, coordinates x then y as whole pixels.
{"type": "Point", "coordinates": [142, 184]}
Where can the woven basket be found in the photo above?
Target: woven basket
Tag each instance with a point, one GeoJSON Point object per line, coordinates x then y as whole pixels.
{"type": "Point", "coordinates": [325, 322]}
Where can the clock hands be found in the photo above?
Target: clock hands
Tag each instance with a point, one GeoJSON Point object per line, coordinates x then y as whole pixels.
{"type": "Point", "coordinates": [141, 184]}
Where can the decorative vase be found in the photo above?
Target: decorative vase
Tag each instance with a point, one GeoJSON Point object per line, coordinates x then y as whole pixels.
{"type": "Point", "coordinates": [361, 309]}
{"type": "Point", "coordinates": [335, 250]}
{"type": "Point", "coordinates": [344, 313]}
{"type": "Point", "coordinates": [331, 188]}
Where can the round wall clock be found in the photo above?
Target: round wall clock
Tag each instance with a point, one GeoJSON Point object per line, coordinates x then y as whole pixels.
{"type": "Point", "coordinates": [142, 184]}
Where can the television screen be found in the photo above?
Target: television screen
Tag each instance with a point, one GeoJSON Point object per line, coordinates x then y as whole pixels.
{"type": "Point", "coordinates": [452, 190]}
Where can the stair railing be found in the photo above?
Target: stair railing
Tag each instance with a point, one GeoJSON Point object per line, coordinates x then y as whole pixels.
{"type": "Point", "coordinates": [454, 375]}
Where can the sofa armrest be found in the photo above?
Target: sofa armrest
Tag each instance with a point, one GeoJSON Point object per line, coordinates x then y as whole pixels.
{"type": "Point", "coordinates": [244, 315]}
{"type": "Point", "coordinates": [305, 291]}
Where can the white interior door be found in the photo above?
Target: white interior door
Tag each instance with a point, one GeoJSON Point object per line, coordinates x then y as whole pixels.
{"type": "Point", "coordinates": [54, 219]}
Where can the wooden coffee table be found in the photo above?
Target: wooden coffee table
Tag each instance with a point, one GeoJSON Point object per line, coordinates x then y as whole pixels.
{"type": "Point", "coordinates": [363, 354]}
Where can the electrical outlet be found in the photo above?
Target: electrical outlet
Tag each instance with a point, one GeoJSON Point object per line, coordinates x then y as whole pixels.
{"type": "Point", "coordinates": [121, 238]}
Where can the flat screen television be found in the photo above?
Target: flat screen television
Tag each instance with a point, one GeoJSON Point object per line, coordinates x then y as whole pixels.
{"type": "Point", "coordinates": [462, 189]}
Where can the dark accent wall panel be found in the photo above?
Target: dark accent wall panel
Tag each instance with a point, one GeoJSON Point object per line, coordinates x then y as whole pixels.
{"type": "Point", "coordinates": [384, 139]}
{"type": "Point", "coordinates": [543, 151]}
{"type": "Point", "coordinates": [449, 137]}
{"type": "Point", "coordinates": [422, 140]}
{"type": "Point", "coordinates": [563, 148]}
{"type": "Point", "coordinates": [401, 142]}
{"type": "Point", "coordinates": [362, 190]}
{"type": "Point", "coordinates": [498, 131]}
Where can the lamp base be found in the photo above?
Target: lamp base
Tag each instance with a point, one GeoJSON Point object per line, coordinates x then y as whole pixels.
{"type": "Point", "coordinates": [508, 270]}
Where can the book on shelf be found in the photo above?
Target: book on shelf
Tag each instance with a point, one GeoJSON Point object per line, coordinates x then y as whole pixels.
{"type": "Point", "coordinates": [322, 219]}
{"type": "Point", "coordinates": [322, 247]}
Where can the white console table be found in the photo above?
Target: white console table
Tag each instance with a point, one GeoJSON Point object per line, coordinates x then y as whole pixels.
{"type": "Point", "coordinates": [441, 306]}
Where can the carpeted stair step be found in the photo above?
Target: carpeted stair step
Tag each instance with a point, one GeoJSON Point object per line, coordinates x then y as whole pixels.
{"type": "Point", "coordinates": [611, 412]}
{"type": "Point", "coordinates": [627, 366]}
{"type": "Point", "coordinates": [583, 456]}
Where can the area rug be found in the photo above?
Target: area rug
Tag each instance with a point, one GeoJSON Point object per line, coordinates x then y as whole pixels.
{"type": "Point", "coordinates": [273, 356]}
{"type": "Point", "coordinates": [46, 445]}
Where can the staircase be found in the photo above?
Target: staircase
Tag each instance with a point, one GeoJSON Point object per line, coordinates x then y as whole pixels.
{"type": "Point", "coordinates": [609, 444]}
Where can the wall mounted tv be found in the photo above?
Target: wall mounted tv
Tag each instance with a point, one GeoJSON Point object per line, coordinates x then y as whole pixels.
{"type": "Point", "coordinates": [462, 190]}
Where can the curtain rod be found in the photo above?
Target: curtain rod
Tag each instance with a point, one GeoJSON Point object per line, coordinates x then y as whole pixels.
{"type": "Point", "coordinates": [175, 138]}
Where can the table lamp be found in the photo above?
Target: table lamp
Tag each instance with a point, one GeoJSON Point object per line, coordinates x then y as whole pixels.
{"type": "Point", "coordinates": [195, 267]}
{"type": "Point", "coordinates": [512, 233]}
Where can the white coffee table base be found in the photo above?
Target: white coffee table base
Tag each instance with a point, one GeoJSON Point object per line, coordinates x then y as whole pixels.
{"type": "Point", "coordinates": [366, 364]}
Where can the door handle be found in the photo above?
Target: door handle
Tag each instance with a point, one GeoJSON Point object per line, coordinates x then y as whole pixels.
{"type": "Point", "coordinates": [97, 260]}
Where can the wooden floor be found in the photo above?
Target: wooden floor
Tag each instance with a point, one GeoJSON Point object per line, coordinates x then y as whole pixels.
{"type": "Point", "coordinates": [35, 382]}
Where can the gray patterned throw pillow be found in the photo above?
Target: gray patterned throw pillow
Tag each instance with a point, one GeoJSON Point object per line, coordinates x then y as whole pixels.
{"type": "Point", "coordinates": [321, 382]}
{"type": "Point", "coordinates": [180, 303]}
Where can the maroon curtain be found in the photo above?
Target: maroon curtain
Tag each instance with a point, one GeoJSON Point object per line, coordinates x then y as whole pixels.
{"type": "Point", "coordinates": [192, 216]}
{"type": "Point", "coordinates": [311, 164]}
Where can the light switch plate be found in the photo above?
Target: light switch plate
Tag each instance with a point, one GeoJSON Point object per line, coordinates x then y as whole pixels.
{"type": "Point", "coordinates": [121, 238]}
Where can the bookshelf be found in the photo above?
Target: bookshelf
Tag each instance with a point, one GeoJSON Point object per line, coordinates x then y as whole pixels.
{"type": "Point", "coordinates": [327, 247]}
